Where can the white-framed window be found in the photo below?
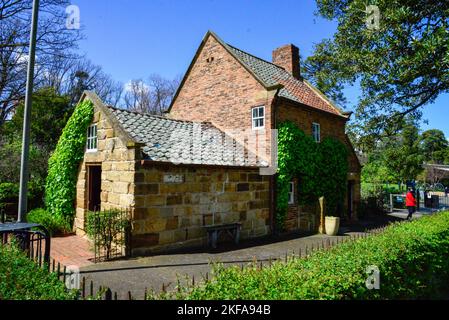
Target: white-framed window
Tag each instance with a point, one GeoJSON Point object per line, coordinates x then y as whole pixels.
{"type": "Point", "coordinates": [258, 117]}
{"type": "Point", "coordinates": [316, 132]}
{"type": "Point", "coordinates": [92, 139]}
{"type": "Point", "coordinates": [291, 193]}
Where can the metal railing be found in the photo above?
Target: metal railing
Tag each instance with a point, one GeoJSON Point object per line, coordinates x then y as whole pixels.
{"type": "Point", "coordinates": [33, 239]}
{"type": "Point", "coordinates": [432, 201]}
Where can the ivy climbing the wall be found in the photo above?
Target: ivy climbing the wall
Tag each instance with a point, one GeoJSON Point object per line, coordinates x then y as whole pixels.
{"type": "Point", "coordinates": [321, 169]}
{"type": "Point", "coordinates": [60, 189]}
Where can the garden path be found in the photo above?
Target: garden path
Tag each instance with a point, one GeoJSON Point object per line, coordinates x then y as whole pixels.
{"type": "Point", "coordinates": [137, 274]}
{"type": "Point", "coordinates": [71, 250]}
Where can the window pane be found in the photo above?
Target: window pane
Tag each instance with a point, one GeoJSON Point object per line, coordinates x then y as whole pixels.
{"type": "Point", "coordinates": [254, 112]}
{"type": "Point", "coordinates": [261, 111]}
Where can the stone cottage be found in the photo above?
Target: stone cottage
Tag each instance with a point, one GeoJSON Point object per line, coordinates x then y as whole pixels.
{"type": "Point", "coordinates": [207, 161]}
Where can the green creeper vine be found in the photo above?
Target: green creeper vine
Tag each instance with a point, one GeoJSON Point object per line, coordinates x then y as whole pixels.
{"type": "Point", "coordinates": [60, 189]}
{"type": "Point", "coordinates": [321, 169]}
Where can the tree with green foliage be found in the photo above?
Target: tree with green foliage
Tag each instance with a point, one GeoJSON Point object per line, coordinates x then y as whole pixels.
{"type": "Point", "coordinates": [375, 170]}
{"type": "Point", "coordinates": [395, 159]}
{"type": "Point", "coordinates": [400, 66]}
{"type": "Point", "coordinates": [49, 113]}
{"type": "Point", "coordinates": [434, 146]}
{"type": "Point", "coordinates": [402, 154]}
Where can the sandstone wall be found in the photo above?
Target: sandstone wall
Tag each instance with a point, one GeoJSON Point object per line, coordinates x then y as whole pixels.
{"type": "Point", "coordinates": [118, 172]}
{"type": "Point", "coordinates": [171, 215]}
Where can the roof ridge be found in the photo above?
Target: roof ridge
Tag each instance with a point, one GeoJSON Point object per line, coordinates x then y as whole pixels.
{"type": "Point", "coordinates": [256, 57]}
{"type": "Point", "coordinates": [158, 116]}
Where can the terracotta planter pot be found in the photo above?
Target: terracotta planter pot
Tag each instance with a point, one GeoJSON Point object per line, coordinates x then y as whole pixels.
{"type": "Point", "coordinates": [332, 224]}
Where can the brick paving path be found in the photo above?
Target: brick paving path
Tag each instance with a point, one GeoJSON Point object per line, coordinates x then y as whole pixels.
{"type": "Point", "coordinates": [71, 251]}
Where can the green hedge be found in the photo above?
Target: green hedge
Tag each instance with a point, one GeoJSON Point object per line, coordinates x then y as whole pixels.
{"type": "Point", "coordinates": [22, 279]}
{"type": "Point", "coordinates": [54, 224]}
{"type": "Point", "coordinates": [413, 259]}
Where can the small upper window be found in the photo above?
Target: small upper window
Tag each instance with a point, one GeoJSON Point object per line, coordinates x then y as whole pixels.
{"type": "Point", "coordinates": [316, 132]}
{"type": "Point", "coordinates": [291, 193]}
{"type": "Point", "coordinates": [258, 117]}
{"type": "Point", "coordinates": [92, 139]}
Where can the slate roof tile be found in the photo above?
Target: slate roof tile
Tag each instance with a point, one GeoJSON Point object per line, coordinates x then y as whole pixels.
{"type": "Point", "coordinates": [294, 89]}
{"type": "Point", "coordinates": [183, 142]}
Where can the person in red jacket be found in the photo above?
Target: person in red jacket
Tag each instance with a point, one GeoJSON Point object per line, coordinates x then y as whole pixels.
{"type": "Point", "coordinates": [410, 203]}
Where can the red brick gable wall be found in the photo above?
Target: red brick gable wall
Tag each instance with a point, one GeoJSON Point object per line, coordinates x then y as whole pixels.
{"type": "Point", "coordinates": [220, 90]}
{"type": "Point", "coordinates": [331, 125]}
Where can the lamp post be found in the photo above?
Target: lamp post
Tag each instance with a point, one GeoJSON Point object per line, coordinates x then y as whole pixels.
{"type": "Point", "coordinates": [27, 114]}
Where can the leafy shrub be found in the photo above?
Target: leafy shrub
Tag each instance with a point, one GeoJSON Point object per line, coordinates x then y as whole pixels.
{"type": "Point", "coordinates": [9, 198]}
{"type": "Point", "coordinates": [413, 259]}
{"type": "Point", "coordinates": [107, 228]}
{"type": "Point", "coordinates": [9, 192]}
{"type": "Point", "coordinates": [60, 188]}
{"type": "Point", "coordinates": [54, 224]}
{"type": "Point", "coordinates": [22, 279]}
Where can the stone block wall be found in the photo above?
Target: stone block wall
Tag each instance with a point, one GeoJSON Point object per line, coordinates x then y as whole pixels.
{"type": "Point", "coordinates": [118, 172]}
{"type": "Point", "coordinates": [170, 215]}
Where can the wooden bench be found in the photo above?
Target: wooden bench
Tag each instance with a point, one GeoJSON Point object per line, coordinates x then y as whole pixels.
{"type": "Point", "coordinates": [213, 233]}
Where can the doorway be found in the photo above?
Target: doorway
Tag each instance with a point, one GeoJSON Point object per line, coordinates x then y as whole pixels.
{"type": "Point", "coordinates": [94, 187]}
{"type": "Point", "coordinates": [350, 204]}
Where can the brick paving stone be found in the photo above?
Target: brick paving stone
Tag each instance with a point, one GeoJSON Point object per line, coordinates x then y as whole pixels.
{"type": "Point", "coordinates": [71, 251]}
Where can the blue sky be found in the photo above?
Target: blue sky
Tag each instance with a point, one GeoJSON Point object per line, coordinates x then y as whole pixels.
{"type": "Point", "coordinates": [132, 39]}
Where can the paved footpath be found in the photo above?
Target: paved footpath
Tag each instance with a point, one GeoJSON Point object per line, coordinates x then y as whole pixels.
{"type": "Point", "coordinates": [137, 274]}
{"type": "Point", "coordinates": [71, 251]}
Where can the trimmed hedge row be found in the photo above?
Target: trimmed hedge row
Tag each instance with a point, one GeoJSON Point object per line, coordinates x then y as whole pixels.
{"type": "Point", "coordinates": [22, 279]}
{"type": "Point", "coordinates": [413, 259]}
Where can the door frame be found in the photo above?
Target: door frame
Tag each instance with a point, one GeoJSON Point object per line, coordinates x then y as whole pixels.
{"type": "Point", "coordinates": [89, 182]}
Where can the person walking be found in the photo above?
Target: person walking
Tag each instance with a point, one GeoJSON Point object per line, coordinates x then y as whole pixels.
{"type": "Point", "coordinates": [410, 203]}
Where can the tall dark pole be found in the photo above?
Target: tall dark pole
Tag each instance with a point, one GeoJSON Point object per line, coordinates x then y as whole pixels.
{"type": "Point", "coordinates": [26, 119]}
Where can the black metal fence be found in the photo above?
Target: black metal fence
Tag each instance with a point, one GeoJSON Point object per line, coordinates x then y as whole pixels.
{"type": "Point", "coordinates": [110, 231]}
{"type": "Point", "coordinates": [432, 201]}
{"type": "Point", "coordinates": [86, 289]}
{"type": "Point", "coordinates": [35, 243]}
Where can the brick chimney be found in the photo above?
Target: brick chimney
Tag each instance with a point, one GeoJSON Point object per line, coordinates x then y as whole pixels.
{"type": "Point", "coordinates": [287, 57]}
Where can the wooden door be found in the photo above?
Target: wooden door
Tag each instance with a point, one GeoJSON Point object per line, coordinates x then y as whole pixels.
{"type": "Point", "coordinates": [94, 188]}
